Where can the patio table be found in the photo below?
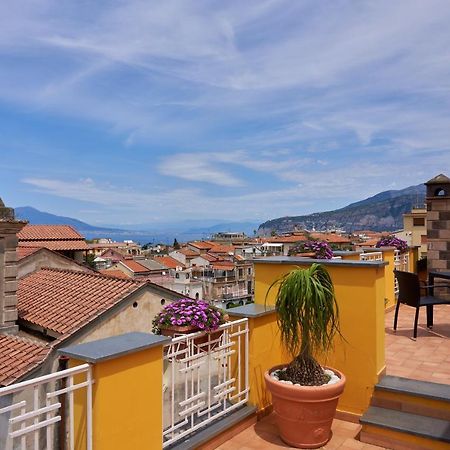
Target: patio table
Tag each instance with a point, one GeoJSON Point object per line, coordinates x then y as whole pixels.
{"type": "Point", "coordinates": [431, 276]}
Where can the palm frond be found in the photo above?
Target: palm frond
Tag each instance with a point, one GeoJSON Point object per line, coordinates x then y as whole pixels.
{"type": "Point", "coordinates": [308, 314]}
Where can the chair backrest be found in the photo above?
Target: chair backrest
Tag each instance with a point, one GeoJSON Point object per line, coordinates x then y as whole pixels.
{"type": "Point", "coordinates": [408, 287]}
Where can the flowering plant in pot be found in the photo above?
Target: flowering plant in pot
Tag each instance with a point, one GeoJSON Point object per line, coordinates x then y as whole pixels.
{"type": "Point", "coordinates": [392, 241]}
{"type": "Point", "coordinates": [305, 394]}
{"type": "Point", "coordinates": [186, 316]}
{"type": "Point", "coordinates": [315, 249]}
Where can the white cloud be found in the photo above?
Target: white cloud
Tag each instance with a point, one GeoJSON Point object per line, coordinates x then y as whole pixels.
{"type": "Point", "coordinates": [215, 167]}
{"type": "Point", "coordinates": [328, 95]}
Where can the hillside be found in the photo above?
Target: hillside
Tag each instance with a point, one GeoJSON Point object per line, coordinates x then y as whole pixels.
{"type": "Point", "coordinates": [382, 212]}
{"type": "Point", "coordinates": [34, 216]}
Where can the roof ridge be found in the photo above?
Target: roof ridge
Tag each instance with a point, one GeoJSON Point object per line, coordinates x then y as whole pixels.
{"type": "Point", "coordinates": [92, 274]}
{"type": "Point", "coordinates": [17, 337]}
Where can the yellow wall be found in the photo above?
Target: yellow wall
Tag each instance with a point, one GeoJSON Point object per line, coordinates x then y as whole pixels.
{"type": "Point", "coordinates": [388, 256]}
{"type": "Point", "coordinates": [127, 403]}
{"type": "Point", "coordinates": [351, 256]}
{"type": "Point", "coordinates": [360, 292]}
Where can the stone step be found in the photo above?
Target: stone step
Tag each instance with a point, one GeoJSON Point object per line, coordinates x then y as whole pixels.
{"type": "Point", "coordinates": [404, 431]}
{"type": "Point", "coordinates": [413, 396]}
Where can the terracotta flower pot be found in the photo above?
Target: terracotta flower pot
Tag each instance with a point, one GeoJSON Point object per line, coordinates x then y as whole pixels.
{"type": "Point", "coordinates": [304, 414]}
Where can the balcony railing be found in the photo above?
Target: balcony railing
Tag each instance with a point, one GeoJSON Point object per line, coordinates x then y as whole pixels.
{"type": "Point", "coordinates": [205, 377]}
{"type": "Point", "coordinates": [371, 256]}
{"type": "Point", "coordinates": [401, 262]}
{"type": "Point", "coordinates": [29, 407]}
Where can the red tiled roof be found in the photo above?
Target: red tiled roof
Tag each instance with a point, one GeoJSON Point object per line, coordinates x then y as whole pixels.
{"type": "Point", "coordinates": [48, 232]}
{"type": "Point", "coordinates": [188, 252]}
{"type": "Point", "coordinates": [56, 245]}
{"type": "Point", "coordinates": [65, 300]}
{"type": "Point", "coordinates": [114, 273]}
{"type": "Point", "coordinates": [23, 252]}
{"type": "Point", "coordinates": [370, 243]}
{"type": "Point", "coordinates": [221, 266]}
{"type": "Point", "coordinates": [134, 266]}
{"type": "Point", "coordinates": [168, 261]}
{"type": "Point", "coordinates": [222, 249]}
{"type": "Point", "coordinates": [113, 245]}
{"type": "Point", "coordinates": [18, 356]}
{"type": "Point", "coordinates": [331, 237]}
{"type": "Point", "coordinates": [285, 239]}
{"type": "Point", "coordinates": [203, 245]}
{"type": "Point", "coordinates": [209, 257]}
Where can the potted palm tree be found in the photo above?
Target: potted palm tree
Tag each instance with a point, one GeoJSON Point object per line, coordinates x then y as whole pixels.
{"type": "Point", "coordinates": [305, 394]}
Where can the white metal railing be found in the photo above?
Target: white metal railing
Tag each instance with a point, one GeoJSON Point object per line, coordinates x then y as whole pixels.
{"type": "Point", "coordinates": [205, 377]}
{"type": "Point", "coordinates": [401, 262]}
{"type": "Point", "coordinates": [371, 256]}
{"type": "Point", "coordinates": [29, 408]}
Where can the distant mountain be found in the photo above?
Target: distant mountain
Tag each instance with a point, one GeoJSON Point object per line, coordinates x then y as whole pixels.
{"type": "Point", "coordinates": [163, 233]}
{"type": "Point", "coordinates": [382, 212]}
{"type": "Point", "coordinates": [36, 217]}
{"type": "Point", "coordinates": [246, 227]}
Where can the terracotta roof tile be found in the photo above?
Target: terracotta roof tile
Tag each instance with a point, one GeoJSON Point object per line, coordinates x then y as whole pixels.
{"type": "Point", "coordinates": [188, 252]}
{"type": "Point", "coordinates": [134, 266]}
{"type": "Point", "coordinates": [23, 252]}
{"type": "Point", "coordinates": [209, 257]}
{"type": "Point", "coordinates": [114, 273]}
{"type": "Point", "coordinates": [222, 266]}
{"type": "Point", "coordinates": [222, 249]}
{"type": "Point", "coordinates": [168, 261]}
{"type": "Point", "coordinates": [46, 232]}
{"type": "Point", "coordinates": [285, 239]}
{"type": "Point", "coordinates": [331, 237]}
{"type": "Point", "coordinates": [56, 245]}
{"type": "Point", "coordinates": [64, 300]}
{"type": "Point", "coordinates": [202, 245]}
{"type": "Point", "coordinates": [18, 356]}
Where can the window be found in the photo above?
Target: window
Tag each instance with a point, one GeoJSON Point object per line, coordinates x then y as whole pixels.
{"type": "Point", "coordinates": [177, 275]}
{"type": "Point", "coordinates": [419, 221]}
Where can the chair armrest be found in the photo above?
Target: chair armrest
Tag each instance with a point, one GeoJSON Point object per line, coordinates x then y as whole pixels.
{"type": "Point", "coordinates": [428, 287]}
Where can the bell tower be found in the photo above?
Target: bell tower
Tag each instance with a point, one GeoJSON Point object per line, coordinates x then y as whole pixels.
{"type": "Point", "coordinates": [438, 223]}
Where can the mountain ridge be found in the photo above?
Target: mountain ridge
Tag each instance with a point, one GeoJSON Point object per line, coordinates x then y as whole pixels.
{"type": "Point", "coordinates": [163, 234]}
{"type": "Point", "coordinates": [380, 212]}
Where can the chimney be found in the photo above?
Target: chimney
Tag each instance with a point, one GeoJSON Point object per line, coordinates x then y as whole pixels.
{"type": "Point", "coordinates": [9, 227]}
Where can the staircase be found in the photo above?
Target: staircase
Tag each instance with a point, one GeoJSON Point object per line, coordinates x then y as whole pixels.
{"type": "Point", "coordinates": [408, 415]}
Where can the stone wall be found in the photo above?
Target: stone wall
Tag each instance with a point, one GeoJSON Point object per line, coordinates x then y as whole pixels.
{"type": "Point", "coordinates": [8, 269]}
{"type": "Point", "coordinates": [438, 223]}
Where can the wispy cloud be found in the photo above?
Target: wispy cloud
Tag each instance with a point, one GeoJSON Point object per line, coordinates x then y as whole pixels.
{"type": "Point", "coordinates": [211, 167]}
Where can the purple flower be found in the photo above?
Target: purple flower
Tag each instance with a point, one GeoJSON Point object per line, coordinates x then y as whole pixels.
{"type": "Point", "coordinates": [198, 313]}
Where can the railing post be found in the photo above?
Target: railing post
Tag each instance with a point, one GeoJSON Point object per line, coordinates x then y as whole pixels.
{"type": "Point", "coordinates": [126, 395]}
{"type": "Point", "coordinates": [263, 347]}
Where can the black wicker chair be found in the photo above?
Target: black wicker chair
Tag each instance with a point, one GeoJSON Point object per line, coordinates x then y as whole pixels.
{"type": "Point", "coordinates": [409, 288]}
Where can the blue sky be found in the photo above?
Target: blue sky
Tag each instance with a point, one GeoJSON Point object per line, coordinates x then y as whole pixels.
{"type": "Point", "coordinates": [129, 112]}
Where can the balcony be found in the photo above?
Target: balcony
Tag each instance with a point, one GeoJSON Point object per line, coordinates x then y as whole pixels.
{"type": "Point", "coordinates": [113, 398]}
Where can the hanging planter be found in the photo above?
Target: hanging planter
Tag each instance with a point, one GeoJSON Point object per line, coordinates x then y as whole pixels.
{"type": "Point", "coordinates": [188, 316]}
